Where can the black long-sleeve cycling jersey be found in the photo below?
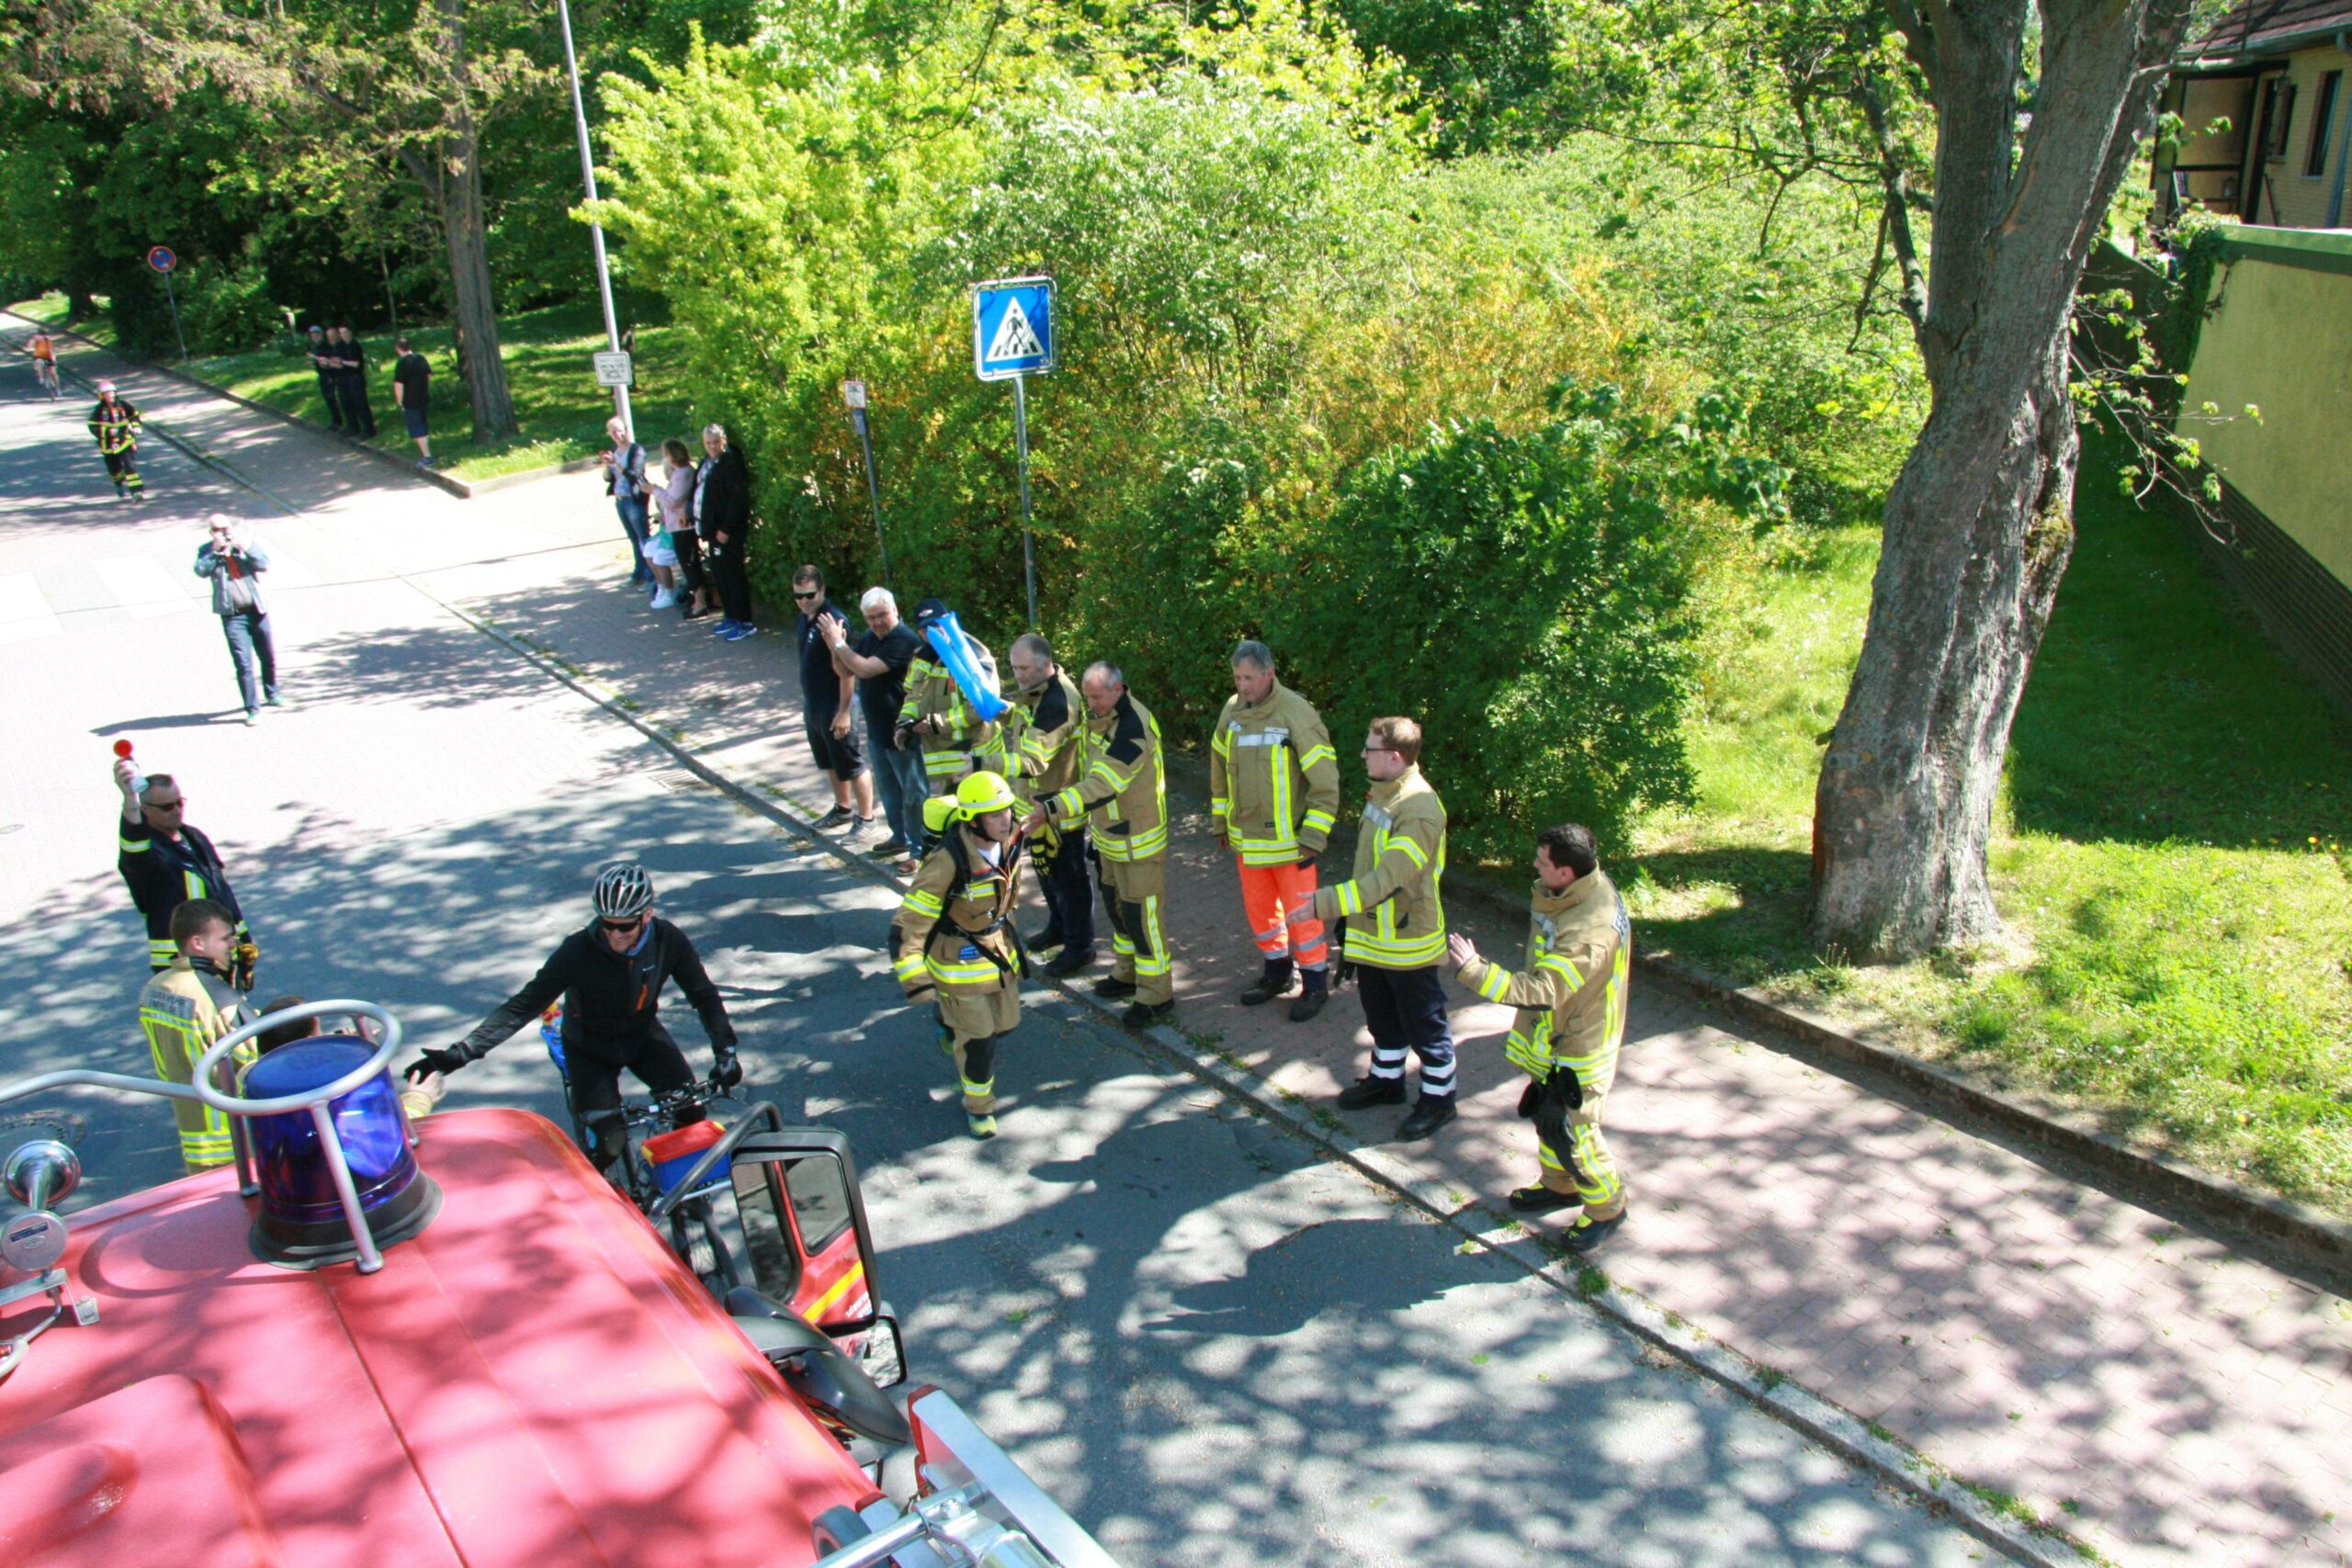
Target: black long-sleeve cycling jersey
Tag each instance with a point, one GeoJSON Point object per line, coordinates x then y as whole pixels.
{"type": "Point", "coordinates": [611, 1000]}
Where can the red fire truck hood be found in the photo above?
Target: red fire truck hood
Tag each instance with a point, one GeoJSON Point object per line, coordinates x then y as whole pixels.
{"type": "Point", "coordinates": [532, 1381]}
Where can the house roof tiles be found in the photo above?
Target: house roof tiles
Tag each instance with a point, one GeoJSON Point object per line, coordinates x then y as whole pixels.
{"type": "Point", "coordinates": [2255, 28]}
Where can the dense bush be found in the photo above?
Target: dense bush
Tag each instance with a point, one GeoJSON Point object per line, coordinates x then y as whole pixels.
{"type": "Point", "coordinates": [226, 308]}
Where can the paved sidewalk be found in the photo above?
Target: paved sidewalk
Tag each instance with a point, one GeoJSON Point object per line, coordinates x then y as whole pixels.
{"type": "Point", "coordinates": [2143, 1387]}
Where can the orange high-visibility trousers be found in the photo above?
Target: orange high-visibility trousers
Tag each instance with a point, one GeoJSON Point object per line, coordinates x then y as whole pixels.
{"type": "Point", "coordinates": [1266, 892]}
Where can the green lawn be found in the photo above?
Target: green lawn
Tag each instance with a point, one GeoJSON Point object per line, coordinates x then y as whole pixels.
{"type": "Point", "coordinates": [2171, 856]}
{"type": "Point", "coordinates": [546, 352]}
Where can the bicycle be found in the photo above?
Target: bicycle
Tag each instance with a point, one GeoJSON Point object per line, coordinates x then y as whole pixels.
{"type": "Point", "coordinates": [694, 1227]}
{"type": "Point", "coordinates": [45, 372]}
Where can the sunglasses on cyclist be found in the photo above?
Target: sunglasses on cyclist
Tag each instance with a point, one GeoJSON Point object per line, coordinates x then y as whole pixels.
{"type": "Point", "coordinates": [617, 927]}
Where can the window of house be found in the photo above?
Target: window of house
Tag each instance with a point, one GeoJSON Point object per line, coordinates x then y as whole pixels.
{"type": "Point", "coordinates": [2277, 114]}
{"type": "Point", "coordinates": [2323, 123]}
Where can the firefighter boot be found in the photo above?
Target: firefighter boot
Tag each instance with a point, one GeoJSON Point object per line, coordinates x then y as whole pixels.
{"type": "Point", "coordinates": [1314, 990]}
{"type": "Point", "coordinates": [1430, 1114]}
{"type": "Point", "coordinates": [1588, 1233]}
{"type": "Point", "coordinates": [1541, 1200]}
{"type": "Point", "coordinates": [1269, 985]}
{"type": "Point", "coordinates": [1367, 1091]}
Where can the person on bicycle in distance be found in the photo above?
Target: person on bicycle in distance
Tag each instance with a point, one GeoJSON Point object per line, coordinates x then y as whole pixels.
{"type": "Point", "coordinates": [610, 976]}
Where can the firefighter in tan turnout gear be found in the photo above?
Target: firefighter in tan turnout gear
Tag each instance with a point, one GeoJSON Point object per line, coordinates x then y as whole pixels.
{"type": "Point", "coordinates": [951, 943]}
{"type": "Point", "coordinates": [938, 718]}
{"type": "Point", "coordinates": [1275, 791]}
{"type": "Point", "coordinates": [1395, 935]}
{"type": "Point", "coordinates": [1044, 737]}
{"type": "Point", "coordinates": [187, 1007]}
{"type": "Point", "coordinates": [1571, 1021]}
{"type": "Point", "coordinates": [1122, 795]}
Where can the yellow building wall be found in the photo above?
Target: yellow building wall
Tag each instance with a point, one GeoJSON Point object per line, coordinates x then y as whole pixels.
{"type": "Point", "coordinates": [2282, 340]}
{"type": "Point", "coordinates": [2300, 200]}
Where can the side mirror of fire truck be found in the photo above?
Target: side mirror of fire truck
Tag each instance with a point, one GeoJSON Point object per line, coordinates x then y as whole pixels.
{"type": "Point", "coordinates": [805, 1234]}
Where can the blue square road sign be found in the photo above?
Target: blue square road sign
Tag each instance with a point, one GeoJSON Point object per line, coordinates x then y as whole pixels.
{"type": "Point", "coordinates": [1013, 328]}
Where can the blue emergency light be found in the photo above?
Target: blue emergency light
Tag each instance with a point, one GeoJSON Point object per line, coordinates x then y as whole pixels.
{"type": "Point", "coordinates": [303, 1222]}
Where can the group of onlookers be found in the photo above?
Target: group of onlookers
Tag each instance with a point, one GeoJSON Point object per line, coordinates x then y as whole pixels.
{"type": "Point", "coordinates": [341, 365]}
{"type": "Point", "coordinates": [688, 530]}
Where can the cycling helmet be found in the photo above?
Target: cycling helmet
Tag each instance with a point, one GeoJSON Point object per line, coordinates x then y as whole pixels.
{"type": "Point", "coordinates": [106, 385]}
{"type": "Point", "coordinates": [623, 891]}
{"type": "Point", "coordinates": [982, 793]}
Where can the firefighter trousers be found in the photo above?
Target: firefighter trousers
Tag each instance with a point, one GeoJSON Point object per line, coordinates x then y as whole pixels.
{"type": "Point", "coordinates": [974, 1024]}
{"type": "Point", "coordinates": [1405, 1010]}
{"type": "Point", "coordinates": [1266, 891]}
{"type": "Point", "coordinates": [1586, 1167]}
{"type": "Point", "coordinates": [122, 467]}
{"type": "Point", "coordinates": [1060, 867]}
{"type": "Point", "coordinates": [1132, 890]}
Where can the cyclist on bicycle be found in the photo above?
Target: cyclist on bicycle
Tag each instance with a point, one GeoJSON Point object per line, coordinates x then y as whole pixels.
{"type": "Point", "coordinates": [610, 977]}
{"type": "Point", "coordinates": [43, 348]}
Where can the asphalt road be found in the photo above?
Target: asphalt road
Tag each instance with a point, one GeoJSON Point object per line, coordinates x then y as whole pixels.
{"type": "Point", "coordinates": [1212, 1344]}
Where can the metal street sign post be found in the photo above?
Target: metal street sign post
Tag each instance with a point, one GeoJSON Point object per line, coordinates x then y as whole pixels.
{"type": "Point", "coordinates": [596, 229]}
{"type": "Point", "coordinates": [161, 258]}
{"type": "Point", "coordinates": [1013, 339]}
{"type": "Point", "coordinates": [614, 369]}
{"type": "Point", "coordinates": [853, 398]}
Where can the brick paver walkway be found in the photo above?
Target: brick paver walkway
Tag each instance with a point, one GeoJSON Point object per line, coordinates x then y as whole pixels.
{"type": "Point", "coordinates": [2166, 1399]}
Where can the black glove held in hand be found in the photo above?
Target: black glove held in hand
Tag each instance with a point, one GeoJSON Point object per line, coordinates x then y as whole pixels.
{"type": "Point", "coordinates": [726, 1071]}
{"type": "Point", "coordinates": [1561, 1093]}
{"type": "Point", "coordinates": [447, 1060]}
{"type": "Point", "coordinates": [1529, 1098]}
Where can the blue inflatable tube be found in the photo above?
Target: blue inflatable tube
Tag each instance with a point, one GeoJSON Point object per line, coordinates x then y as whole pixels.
{"type": "Point", "coordinates": [955, 652]}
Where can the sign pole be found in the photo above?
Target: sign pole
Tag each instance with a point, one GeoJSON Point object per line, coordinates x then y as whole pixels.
{"type": "Point", "coordinates": [1020, 442]}
{"type": "Point", "coordinates": [853, 394]}
{"type": "Point", "coordinates": [595, 230]}
{"type": "Point", "coordinates": [172, 296]}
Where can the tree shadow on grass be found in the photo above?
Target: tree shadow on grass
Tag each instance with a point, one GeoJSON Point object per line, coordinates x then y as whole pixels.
{"type": "Point", "coordinates": [2157, 710]}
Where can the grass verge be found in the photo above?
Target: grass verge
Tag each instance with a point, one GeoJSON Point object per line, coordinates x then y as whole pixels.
{"type": "Point", "coordinates": [2170, 856]}
{"type": "Point", "coordinates": [562, 409]}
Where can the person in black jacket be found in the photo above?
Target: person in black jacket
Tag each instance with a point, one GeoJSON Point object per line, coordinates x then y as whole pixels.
{"type": "Point", "coordinates": [723, 518]}
{"type": "Point", "coordinates": [610, 976]}
{"type": "Point", "coordinates": [358, 413]}
{"type": "Point", "coordinates": [165, 862]}
{"type": "Point", "coordinates": [324, 360]}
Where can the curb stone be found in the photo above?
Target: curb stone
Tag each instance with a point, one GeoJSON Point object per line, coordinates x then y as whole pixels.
{"type": "Point", "coordinates": [464, 489]}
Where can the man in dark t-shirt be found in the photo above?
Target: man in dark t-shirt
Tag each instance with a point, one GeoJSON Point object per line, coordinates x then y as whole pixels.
{"type": "Point", "coordinates": [879, 657]}
{"type": "Point", "coordinates": [825, 711]}
{"type": "Point", "coordinates": [412, 391]}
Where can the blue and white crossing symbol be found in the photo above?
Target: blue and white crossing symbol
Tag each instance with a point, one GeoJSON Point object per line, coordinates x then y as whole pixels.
{"type": "Point", "coordinates": [1013, 328]}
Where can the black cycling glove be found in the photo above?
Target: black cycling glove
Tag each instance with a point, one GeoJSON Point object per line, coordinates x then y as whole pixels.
{"type": "Point", "coordinates": [726, 1071]}
{"type": "Point", "coordinates": [449, 1059]}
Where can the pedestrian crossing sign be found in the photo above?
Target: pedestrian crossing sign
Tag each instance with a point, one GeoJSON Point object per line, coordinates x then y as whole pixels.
{"type": "Point", "coordinates": [1013, 328]}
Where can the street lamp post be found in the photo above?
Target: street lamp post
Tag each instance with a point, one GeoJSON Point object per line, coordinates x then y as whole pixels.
{"type": "Point", "coordinates": [595, 230]}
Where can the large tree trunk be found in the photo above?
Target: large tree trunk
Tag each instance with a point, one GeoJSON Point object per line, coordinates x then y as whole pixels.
{"type": "Point", "coordinates": [472, 294]}
{"type": "Point", "coordinates": [1904, 805]}
{"type": "Point", "coordinates": [1979, 523]}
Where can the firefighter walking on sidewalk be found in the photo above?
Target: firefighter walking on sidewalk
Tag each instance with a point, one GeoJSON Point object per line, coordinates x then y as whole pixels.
{"type": "Point", "coordinates": [1394, 936]}
{"type": "Point", "coordinates": [114, 425]}
{"type": "Point", "coordinates": [952, 943]}
{"type": "Point", "coordinates": [1122, 796]}
{"type": "Point", "coordinates": [1570, 1023]}
{"type": "Point", "coordinates": [1275, 791]}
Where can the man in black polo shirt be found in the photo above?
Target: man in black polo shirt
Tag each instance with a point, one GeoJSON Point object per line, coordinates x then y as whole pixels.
{"type": "Point", "coordinates": [825, 710]}
{"type": "Point", "coordinates": [413, 391]}
{"type": "Point", "coordinates": [879, 657]}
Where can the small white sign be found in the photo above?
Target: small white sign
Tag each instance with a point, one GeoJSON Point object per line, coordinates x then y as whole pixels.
{"type": "Point", "coordinates": [615, 370]}
{"type": "Point", "coordinates": [853, 394]}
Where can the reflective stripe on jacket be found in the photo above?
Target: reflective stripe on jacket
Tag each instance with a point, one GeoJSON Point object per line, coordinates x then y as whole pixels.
{"type": "Point", "coordinates": [1571, 997]}
{"type": "Point", "coordinates": [1395, 918]}
{"type": "Point", "coordinates": [182, 1012]}
{"type": "Point", "coordinates": [115, 428]}
{"type": "Point", "coordinates": [1122, 786]}
{"type": "Point", "coordinates": [1273, 778]}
